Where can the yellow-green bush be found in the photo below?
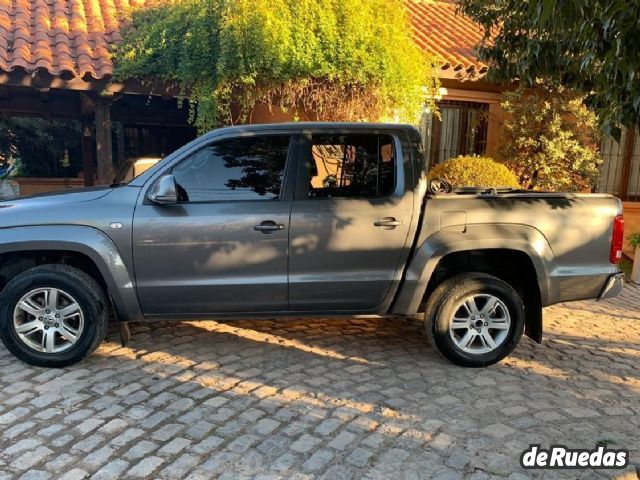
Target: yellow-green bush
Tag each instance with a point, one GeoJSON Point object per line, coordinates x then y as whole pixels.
{"type": "Point", "coordinates": [474, 172]}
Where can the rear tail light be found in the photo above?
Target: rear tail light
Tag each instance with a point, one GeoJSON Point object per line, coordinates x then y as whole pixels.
{"type": "Point", "coordinates": [616, 240]}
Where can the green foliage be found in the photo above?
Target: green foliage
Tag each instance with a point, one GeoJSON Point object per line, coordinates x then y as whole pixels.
{"type": "Point", "coordinates": [626, 266]}
{"type": "Point", "coordinates": [474, 172]}
{"type": "Point", "coordinates": [591, 46]}
{"type": "Point", "coordinates": [634, 240]}
{"type": "Point", "coordinates": [346, 60]}
{"type": "Point", "coordinates": [35, 147]}
{"type": "Point", "coordinates": [550, 140]}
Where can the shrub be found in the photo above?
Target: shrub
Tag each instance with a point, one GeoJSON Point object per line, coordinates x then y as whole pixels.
{"type": "Point", "coordinates": [474, 172]}
{"type": "Point", "coordinates": [550, 140]}
{"type": "Point", "coordinates": [634, 240]}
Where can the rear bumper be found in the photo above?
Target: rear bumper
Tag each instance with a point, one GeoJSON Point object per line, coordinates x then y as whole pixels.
{"type": "Point", "coordinates": [613, 287]}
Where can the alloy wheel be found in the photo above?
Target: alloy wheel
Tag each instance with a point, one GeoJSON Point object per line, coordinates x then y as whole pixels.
{"type": "Point", "coordinates": [480, 324]}
{"type": "Point", "coordinates": [48, 320]}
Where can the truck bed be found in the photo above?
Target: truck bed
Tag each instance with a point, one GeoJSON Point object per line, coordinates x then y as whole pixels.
{"type": "Point", "coordinates": [569, 233]}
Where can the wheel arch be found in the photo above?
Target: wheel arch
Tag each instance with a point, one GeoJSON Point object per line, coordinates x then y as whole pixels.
{"type": "Point", "coordinates": [522, 249]}
{"type": "Point", "coordinates": [83, 247]}
{"type": "Point", "coordinates": [514, 267]}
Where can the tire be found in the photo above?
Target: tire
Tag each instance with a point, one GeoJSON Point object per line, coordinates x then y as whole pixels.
{"type": "Point", "coordinates": [81, 306]}
{"type": "Point", "coordinates": [465, 341]}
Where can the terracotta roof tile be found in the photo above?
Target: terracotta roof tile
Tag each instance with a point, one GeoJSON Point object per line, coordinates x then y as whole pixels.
{"type": "Point", "coordinates": [452, 37]}
{"type": "Point", "coordinates": [72, 37]}
{"type": "Point", "coordinates": [62, 37]}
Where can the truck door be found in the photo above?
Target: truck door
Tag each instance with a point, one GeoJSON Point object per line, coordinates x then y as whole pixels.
{"type": "Point", "coordinates": [223, 247]}
{"type": "Point", "coordinates": [350, 221]}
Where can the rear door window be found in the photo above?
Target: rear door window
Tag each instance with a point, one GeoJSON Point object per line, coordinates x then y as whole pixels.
{"type": "Point", "coordinates": [351, 166]}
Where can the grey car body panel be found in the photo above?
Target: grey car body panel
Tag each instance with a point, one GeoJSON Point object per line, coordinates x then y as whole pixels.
{"type": "Point", "coordinates": [328, 234]}
{"type": "Point", "coordinates": [213, 260]}
{"type": "Point", "coordinates": [439, 244]}
{"type": "Point", "coordinates": [566, 236]}
{"type": "Point", "coordinates": [80, 221]}
{"type": "Point", "coordinates": [156, 253]}
{"type": "Point", "coordinates": [87, 241]}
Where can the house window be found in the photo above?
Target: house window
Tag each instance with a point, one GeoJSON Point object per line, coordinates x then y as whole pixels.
{"type": "Point", "coordinates": [460, 130]}
{"type": "Point", "coordinates": [620, 169]}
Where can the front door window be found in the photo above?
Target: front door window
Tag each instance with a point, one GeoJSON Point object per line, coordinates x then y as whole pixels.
{"type": "Point", "coordinates": [236, 169]}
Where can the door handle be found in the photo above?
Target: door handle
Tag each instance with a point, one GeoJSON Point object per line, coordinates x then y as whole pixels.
{"type": "Point", "coordinates": [387, 223]}
{"type": "Point", "coordinates": [268, 226]}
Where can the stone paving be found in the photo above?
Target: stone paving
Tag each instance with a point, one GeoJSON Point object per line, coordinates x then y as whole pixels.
{"type": "Point", "coordinates": [334, 399]}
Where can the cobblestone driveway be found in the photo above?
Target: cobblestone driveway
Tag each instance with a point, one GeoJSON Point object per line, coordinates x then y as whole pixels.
{"type": "Point", "coordinates": [333, 399]}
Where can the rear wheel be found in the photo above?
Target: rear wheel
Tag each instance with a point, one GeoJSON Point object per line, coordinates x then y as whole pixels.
{"type": "Point", "coordinates": [474, 319]}
{"type": "Point", "coordinates": [53, 315]}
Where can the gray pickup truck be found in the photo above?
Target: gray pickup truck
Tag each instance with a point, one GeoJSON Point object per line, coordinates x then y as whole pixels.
{"type": "Point", "coordinates": [321, 219]}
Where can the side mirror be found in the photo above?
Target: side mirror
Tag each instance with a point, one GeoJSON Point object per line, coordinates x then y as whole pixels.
{"type": "Point", "coordinates": [164, 192]}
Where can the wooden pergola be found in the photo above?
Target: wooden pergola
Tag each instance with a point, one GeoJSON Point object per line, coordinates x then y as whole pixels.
{"type": "Point", "coordinates": [56, 63]}
{"type": "Point", "coordinates": [98, 105]}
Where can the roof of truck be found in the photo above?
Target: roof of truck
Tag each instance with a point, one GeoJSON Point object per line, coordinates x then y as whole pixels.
{"type": "Point", "coordinates": [261, 127]}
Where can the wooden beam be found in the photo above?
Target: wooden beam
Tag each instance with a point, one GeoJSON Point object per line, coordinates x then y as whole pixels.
{"type": "Point", "coordinates": [463, 128]}
{"type": "Point", "coordinates": [480, 87]}
{"type": "Point", "coordinates": [33, 105]}
{"type": "Point", "coordinates": [104, 149]}
{"type": "Point", "coordinates": [45, 94]}
{"type": "Point", "coordinates": [87, 104]}
{"type": "Point", "coordinates": [88, 150]}
{"type": "Point", "coordinates": [477, 96]}
{"type": "Point", "coordinates": [626, 162]}
{"type": "Point", "coordinates": [106, 85]}
{"type": "Point", "coordinates": [435, 141]}
{"type": "Point", "coordinates": [122, 154]}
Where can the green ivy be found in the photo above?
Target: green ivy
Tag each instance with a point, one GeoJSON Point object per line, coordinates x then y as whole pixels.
{"type": "Point", "coordinates": [336, 60]}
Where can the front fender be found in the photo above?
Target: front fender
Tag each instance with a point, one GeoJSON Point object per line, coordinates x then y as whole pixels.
{"type": "Point", "coordinates": [476, 237]}
{"type": "Point", "coordinates": [87, 241]}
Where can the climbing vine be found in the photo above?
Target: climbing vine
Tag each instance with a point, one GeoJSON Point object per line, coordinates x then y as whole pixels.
{"type": "Point", "coordinates": [318, 59]}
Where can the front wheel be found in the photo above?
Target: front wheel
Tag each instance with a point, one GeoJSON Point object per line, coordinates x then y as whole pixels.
{"type": "Point", "coordinates": [53, 315]}
{"type": "Point", "coordinates": [474, 319]}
